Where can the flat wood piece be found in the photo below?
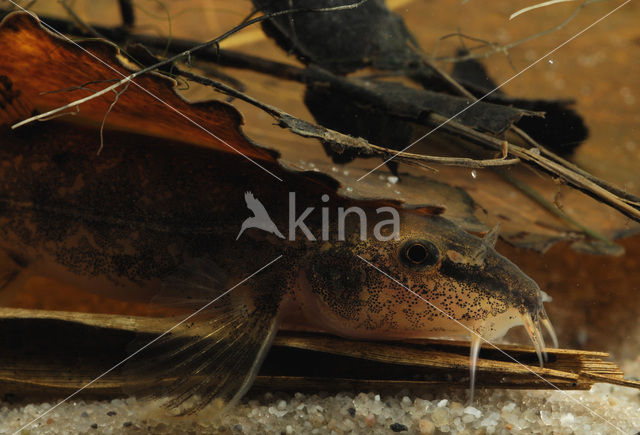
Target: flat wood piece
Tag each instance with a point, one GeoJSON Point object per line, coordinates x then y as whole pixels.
{"type": "Point", "coordinates": [54, 353]}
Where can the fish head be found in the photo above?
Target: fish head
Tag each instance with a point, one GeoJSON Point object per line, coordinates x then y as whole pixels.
{"type": "Point", "coordinates": [433, 280]}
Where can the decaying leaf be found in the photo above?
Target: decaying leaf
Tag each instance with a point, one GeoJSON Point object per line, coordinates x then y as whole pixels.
{"type": "Point", "coordinates": [561, 129]}
{"type": "Point", "coordinates": [49, 72]}
{"type": "Point", "coordinates": [43, 68]}
{"type": "Point", "coordinates": [535, 229]}
{"type": "Point", "coordinates": [346, 41]}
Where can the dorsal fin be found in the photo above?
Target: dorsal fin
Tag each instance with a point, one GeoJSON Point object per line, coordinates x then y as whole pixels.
{"type": "Point", "coordinates": [491, 237]}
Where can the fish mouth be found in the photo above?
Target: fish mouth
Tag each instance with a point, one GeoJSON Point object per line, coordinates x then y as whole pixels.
{"type": "Point", "coordinates": [525, 306]}
{"type": "Point", "coordinates": [534, 317]}
{"type": "Point", "coordinates": [533, 325]}
{"type": "Point", "coordinates": [533, 321]}
{"type": "Point", "coordinates": [524, 295]}
{"type": "Point", "coordinates": [511, 292]}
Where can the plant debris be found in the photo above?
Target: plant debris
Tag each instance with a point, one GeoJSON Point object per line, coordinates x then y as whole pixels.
{"type": "Point", "coordinates": [127, 114]}
{"type": "Point", "coordinates": [86, 344]}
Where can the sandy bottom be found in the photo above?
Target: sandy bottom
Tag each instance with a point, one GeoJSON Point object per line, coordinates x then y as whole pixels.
{"type": "Point", "coordinates": [605, 409]}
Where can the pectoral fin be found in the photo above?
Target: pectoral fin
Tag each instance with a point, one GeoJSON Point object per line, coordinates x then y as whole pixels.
{"type": "Point", "coordinates": [213, 355]}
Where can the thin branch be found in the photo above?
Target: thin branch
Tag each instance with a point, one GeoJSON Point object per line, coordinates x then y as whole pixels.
{"type": "Point", "coordinates": [623, 201]}
{"type": "Point", "coordinates": [534, 157]}
{"type": "Point", "coordinates": [79, 21]}
{"type": "Point", "coordinates": [340, 141]}
{"type": "Point", "coordinates": [537, 6]}
{"type": "Point", "coordinates": [104, 119]}
{"type": "Point", "coordinates": [186, 53]}
{"type": "Point", "coordinates": [482, 43]}
{"type": "Point", "coordinates": [505, 48]}
{"type": "Point", "coordinates": [599, 189]}
{"type": "Point", "coordinates": [626, 197]}
{"type": "Point", "coordinates": [127, 14]}
{"type": "Point", "coordinates": [630, 199]}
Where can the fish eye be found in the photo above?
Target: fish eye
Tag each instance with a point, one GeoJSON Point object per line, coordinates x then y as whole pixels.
{"type": "Point", "coordinates": [416, 253]}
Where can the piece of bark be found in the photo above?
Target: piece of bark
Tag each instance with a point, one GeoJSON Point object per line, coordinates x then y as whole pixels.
{"type": "Point", "coordinates": [54, 353]}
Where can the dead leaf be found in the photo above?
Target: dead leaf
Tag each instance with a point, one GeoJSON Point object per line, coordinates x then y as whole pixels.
{"type": "Point", "coordinates": [44, 68]}
{"type": "Point", "coordinates": [50, 72]}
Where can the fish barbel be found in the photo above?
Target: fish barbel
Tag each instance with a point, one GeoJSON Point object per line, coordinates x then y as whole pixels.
{"type": "Point", "coordinates": [147, 217]}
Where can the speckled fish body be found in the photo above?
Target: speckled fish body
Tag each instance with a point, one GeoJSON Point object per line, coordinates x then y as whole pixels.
{"type": "Point", "coordinates": [147, 217]}
{"type": "Point", "coordinates": [119, 222]}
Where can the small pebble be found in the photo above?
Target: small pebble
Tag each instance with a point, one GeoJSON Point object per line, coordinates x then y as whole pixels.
{"type": "Point", "coordinates": [397, 427]}
{"type": "Point", "coordinates": [567, 419]}
{"type": "Point", "coordinates": [456, 408]}
{"type": "Point", "coordinates": [426, 427]}
{"type": "Point", "coordinates": [440, 416]}
{"type": "Point", "coordinates": [370, 420]}
{"type": "Point", "coordinates": [492, 414]}
{"type": "Point", "coordinates": [473, 411]}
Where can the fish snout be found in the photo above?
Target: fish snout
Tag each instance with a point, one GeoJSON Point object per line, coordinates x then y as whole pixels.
{"type": "Point", "coordinates": [512, 285]}
{"type": "Point", "coordinates": [524, 294]}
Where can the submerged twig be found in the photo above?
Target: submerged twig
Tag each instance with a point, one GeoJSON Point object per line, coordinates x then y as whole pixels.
{"type": "Point", "coordinates": [127, 14]}
{"type": "Point", "coordinates": [342, 141]}
{"type": "Point", "coordinates": [627, 197]}
{"type": "Point", "coordinates": [537, 6]}
{"type": "Point", "coordinates": [557, 211]}
{"type": "Point", "coordinates": [506, 47]}
{"type": "Point", "coordinates": [550, 162]}
{"type": "Point", "coordinates": [578, 178]}
{"type": "Point", "coordinates": [104, 119]}
{"type": "Point", "coordinates": [482, 43]}
{"type": "Point", "coordinates": [186, 53]}
{"type": "Point", "coordinates": [79, 21]}
{"type": "Point", "coordinates": [534, 157]}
